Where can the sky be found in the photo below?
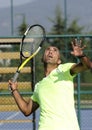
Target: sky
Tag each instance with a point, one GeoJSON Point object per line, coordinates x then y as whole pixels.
{"type": "Point", "coordinates": [81, 9]}
{"type": "Point", "coordinates": [6, 3]}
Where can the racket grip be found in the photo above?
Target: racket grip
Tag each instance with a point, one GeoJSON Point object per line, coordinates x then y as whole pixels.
{"type": "Point", "coordinates": [15, 77]}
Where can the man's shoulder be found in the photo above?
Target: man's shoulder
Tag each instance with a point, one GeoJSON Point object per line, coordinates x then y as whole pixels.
{"type": "Point", "coordinates": [65, 66]}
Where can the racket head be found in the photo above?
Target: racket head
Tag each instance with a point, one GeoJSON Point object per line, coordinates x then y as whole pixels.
{"type": "Point", "coordinates": [32, 39]}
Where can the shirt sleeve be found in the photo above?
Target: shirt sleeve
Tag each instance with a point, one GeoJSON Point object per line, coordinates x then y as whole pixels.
{"type": "Point", "coordinates": [34, 96]}
{"type": "Point", "coordinates": [66, 69]}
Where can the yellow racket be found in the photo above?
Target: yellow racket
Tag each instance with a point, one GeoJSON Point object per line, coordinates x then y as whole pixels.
{"type": "Point", "coordinates": [31, 44]}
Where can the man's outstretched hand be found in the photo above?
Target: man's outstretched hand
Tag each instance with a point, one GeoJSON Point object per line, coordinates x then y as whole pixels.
{"type": "Point", "coordinates": [77, 48]}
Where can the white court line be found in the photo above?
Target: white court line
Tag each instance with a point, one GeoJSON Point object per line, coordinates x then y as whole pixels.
{"type": "Point", "coordinates": [10, 117]}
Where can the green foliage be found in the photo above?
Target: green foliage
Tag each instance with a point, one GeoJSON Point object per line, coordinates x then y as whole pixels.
{"type": "Point", "coordinates": [74, 28]}
{"type": "Point", "coordinates": [22, 28]}
{"type": "Point", "coordinates": [59, 28]}
{"type": "Point", "coordinates": [58, 23]}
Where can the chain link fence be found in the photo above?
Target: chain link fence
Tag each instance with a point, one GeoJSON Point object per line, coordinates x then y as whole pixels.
{"type": "Point", "coordinates": [10, 116]}
{"type": "Point", "coordinates": [9, 61]}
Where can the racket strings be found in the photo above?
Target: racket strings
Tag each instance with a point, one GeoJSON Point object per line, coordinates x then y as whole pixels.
{"type": "Point", "coordinates": [26, 49]}
{"type": "Point", "coordinates": [32, 41]}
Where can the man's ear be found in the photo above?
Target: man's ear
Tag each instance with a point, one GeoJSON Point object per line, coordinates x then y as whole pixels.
{"type": "Point", "coordinates": [59, 61]}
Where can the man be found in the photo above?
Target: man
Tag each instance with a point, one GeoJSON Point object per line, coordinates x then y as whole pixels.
{"type": "Point", "coordinates": [54, 94]}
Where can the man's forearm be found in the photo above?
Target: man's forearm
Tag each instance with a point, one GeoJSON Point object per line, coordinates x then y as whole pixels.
{"type": "Point", "coordinates": [85, 61]}
{"type": "Point", "coordinates": [22, 104]}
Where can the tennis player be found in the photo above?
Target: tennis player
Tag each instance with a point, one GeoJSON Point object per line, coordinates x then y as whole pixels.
{"type": "Point", "coordinates": [54, 94]}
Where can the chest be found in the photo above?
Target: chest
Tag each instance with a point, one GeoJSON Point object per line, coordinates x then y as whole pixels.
{"type": "Point", "coordinates": [55, 89]}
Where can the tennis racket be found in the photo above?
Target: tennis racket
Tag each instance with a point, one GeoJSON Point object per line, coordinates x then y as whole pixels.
{"type": "Point", "coordinates": [31, 44]}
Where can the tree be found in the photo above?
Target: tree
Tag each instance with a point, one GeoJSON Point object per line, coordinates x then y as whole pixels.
{"type": "Point", "coordinates": [22, 28]}
{"type": "Point", "coordinates": [74, 28]}
{"type": "Point", "coordinates": [59, 29]}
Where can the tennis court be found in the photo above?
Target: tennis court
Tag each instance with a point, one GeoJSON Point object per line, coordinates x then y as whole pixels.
{"type": "Point", "coordinates": [86, 120]}
{"type": "Point", "coordinates": [16, 121]}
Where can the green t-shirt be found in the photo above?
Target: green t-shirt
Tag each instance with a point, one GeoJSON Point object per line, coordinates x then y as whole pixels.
{"type": "Point", "coordinates": [55, 96]}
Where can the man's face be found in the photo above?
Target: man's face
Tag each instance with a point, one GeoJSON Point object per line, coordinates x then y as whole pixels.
{"type": "Point", "coordinates": [52, 55]}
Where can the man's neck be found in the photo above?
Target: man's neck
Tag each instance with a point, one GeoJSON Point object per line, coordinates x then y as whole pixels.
{"type": "Point", "coordinates": [49, 68]}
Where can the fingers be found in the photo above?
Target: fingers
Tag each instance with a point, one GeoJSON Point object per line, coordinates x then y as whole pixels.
{"type": "Point", "coordinates": [83, 47]}
{"type": "Point", "coordinates": [77, 43]}
{"type": "Point", "coordinates": [13, 85]}
{"type": "Point", "coordinates": [77, 47]}
{"type": "Point", "coordinates": [72, 44]}
{"type": "Point", "coordinates": [10, 82]}
{"type": "Point", "coordinates": [72, 52]}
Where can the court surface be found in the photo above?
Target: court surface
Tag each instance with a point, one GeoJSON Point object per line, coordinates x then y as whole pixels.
{"type": "Point", "coordinates": [86, 120]}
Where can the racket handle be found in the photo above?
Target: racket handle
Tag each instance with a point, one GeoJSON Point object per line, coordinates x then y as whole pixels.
{"type": "Point", "coordinates": [15, 77]}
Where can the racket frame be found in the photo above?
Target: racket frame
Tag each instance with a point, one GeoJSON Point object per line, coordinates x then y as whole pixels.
{"type": "Point", "coordinates": [27, 59]}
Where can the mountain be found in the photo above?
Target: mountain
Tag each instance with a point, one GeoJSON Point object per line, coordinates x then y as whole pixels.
{"type": "Point", "coordinates": [38, 11]}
